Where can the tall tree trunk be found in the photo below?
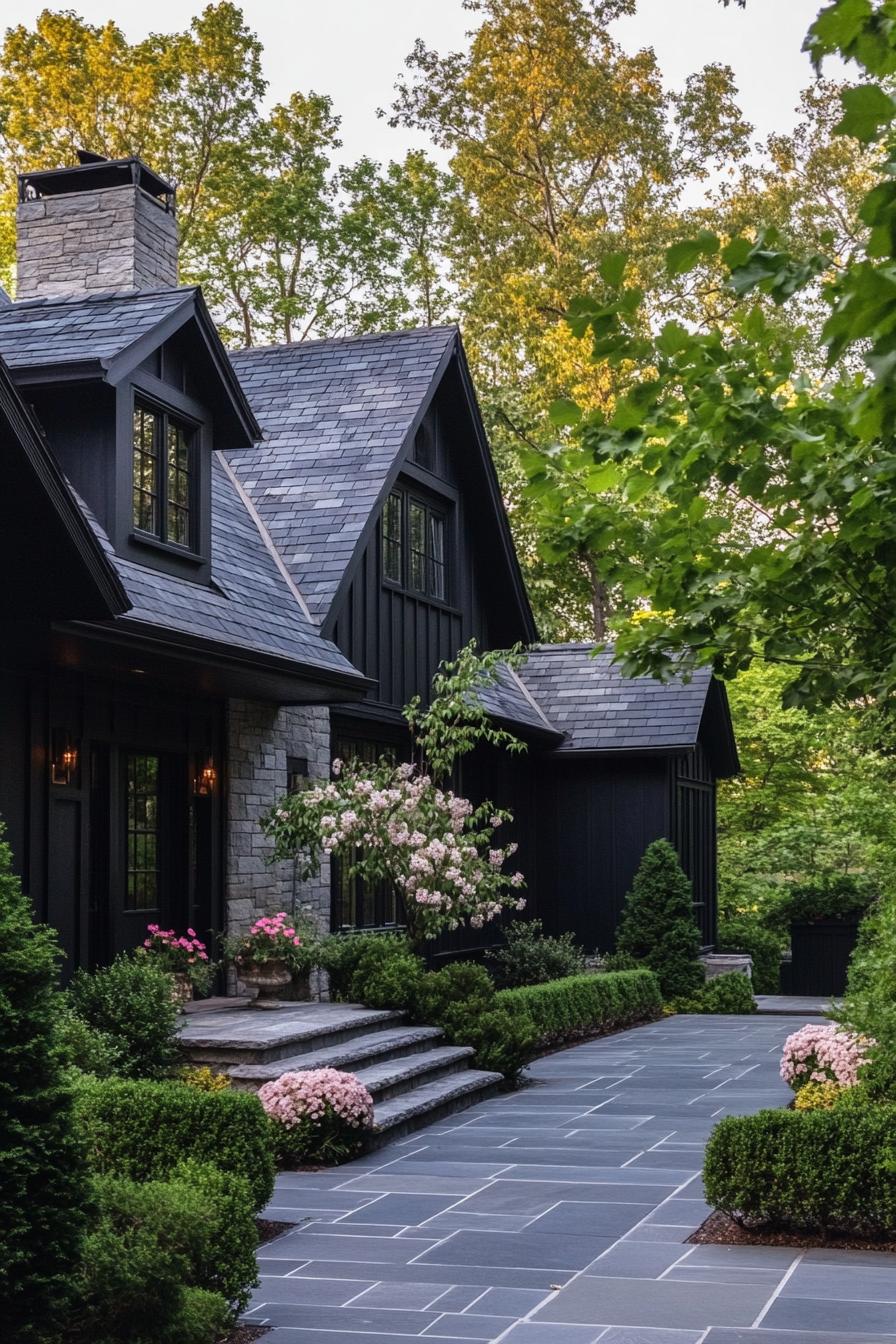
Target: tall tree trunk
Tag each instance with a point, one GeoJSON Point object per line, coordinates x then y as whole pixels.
{"type": "Point", "coordinates": [601, 607]}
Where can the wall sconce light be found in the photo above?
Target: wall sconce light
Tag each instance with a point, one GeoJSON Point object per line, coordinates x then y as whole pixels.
{"type": "Point", "coordinates": [205, 782]}
{"type": "Point", "coordinates": [63, 758]}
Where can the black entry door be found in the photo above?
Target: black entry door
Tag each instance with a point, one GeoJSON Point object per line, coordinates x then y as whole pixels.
{"type": "Point", "coordinates": [145, 848]}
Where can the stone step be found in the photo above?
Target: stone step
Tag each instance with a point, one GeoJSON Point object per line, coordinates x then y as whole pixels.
{"type": "Point", "coordinates": [359, 1051]}
{"type": "Point", "coordinates": [431, 1101]}
{"type": "Point", "coordinates": [257, 1036]}
{"type": "Point", "coordinates": [396, 1077]}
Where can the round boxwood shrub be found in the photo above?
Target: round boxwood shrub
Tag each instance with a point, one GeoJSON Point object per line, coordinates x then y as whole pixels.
{"type": "Point", "coordinates": [142, 1129]}
{"type": "Point", "coordinates": [459, 983]}
{"type": "Point", "coordinates": [530, 957]}
{"type": "Point", "coordinates": [44, 1190]}
{"type": "Point", "coordinates": [149, 1247]}
{"type": "Point", "coordinates": [657, 927]}
{"type": "Point", "coordinates": [386, 976]}
{"type": "Point", "coordinates": [340, 953]}
{"type": "Point", "coordinates": [130, 1002]}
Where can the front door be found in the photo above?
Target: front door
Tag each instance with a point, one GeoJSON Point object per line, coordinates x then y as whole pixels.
{"type": "Point", "coordinates": [141, 845]}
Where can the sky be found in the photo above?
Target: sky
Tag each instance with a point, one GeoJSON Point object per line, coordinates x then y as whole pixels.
{"type": "Point", "coordinates": [354, 49]}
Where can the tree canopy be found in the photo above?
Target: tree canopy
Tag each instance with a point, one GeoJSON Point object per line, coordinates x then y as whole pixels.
{"type": "Point", "coordinates": [773, 531]}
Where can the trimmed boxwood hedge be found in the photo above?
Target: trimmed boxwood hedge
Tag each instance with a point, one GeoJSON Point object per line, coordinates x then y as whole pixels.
{"type": "Point", "coordinates": [142, 1130]}
{"type": "Point", "coordinates": [815, 1170]}
{"type": "Point", "coordinates": [578, 1005]}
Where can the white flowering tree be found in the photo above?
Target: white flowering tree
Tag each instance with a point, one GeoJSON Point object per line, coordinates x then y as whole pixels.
{"type": "Point", "coordinates": [402, 823]}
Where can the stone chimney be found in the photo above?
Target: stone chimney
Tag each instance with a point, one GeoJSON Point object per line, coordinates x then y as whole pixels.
{"type": "Point", "coordinates": [106, 224]}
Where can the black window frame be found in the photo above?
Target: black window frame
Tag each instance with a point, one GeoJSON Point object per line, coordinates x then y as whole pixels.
{"type": "Point", "coordinates": [434, 585]}
{"type": "Point", "coordinates": [164, 507]}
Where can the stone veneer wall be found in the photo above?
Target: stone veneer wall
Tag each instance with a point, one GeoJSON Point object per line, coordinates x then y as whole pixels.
{"type": "Point", "coordinates": [260, 738]}
{"type": "Point", "coordinates": [84, 242]}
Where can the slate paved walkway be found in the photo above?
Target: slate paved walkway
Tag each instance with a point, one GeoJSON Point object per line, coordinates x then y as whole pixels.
{"type": "Point", "coordinates": [560, 1215]}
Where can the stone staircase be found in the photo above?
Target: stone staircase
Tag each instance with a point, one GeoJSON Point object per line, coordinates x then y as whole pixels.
{"type": "Point", "coordinates": [413, 1077]}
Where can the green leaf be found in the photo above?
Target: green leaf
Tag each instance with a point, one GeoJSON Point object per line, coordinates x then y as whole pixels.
{"type": "Point", "coordinates": [604, 477]}
{"type": "Point", "coordinates": [564, 413]}
{"type": "Point", "coordinates": [637, 486]}
{"type": "Point", "coordinates": [865, 110]}
{"type": "Point", "coordinates": [612, 268]}
{"type": "Point", "coordinates": [736, 252]}
{"type": "Point", "coordinates": [682, 257]}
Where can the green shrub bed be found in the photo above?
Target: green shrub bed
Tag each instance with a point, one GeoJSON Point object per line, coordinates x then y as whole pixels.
{"type": "Point", "coordinates": [141, 1129]}
{"type": "Point", "coordinates": [824, 1170]}
{"type": "Point", "coordinates": [579, 1005]}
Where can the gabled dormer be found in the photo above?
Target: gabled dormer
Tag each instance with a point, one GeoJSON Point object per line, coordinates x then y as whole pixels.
{"type": "Point", "coordinates": [125, 370]}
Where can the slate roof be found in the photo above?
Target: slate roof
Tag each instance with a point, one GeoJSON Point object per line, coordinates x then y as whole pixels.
{"type": "Point", "coordinates": [510, 699]}
{"type": "Point", "coordinates": [335, 415]}
{"type": "Point", "coordinates": [100, 327]}
{"type": "Point", "coordinates": [250, 606]}
{"type": "Point", "coordinates": [585, 697]}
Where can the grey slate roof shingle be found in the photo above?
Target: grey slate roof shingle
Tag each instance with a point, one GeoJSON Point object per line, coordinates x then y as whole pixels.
{"type": "Point", "coordinates": [335, 415]}
{"type": "Point", "coordinates": [588, 699]}
{"type": "Point", "coordinates": [511, 700]}
{"type": "Point", "coordinates": [71, 330]}
{"type": "Point", "coordinates": [252, 607]}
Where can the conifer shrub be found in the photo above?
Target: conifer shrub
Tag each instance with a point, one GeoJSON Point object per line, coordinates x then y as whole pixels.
{"type": "Point", "coordinates": [141, 1129]}
{"type": "Point", "coordinates": [131, 1003]}
{"type": "Point", "coordinates": [44, 1186]}
{"type": "Point", "coordinates": [869, 1006]}
{"type": "Point", "coordinates": [657, 927]}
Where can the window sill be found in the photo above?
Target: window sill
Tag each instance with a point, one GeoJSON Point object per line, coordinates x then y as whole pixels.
{"type": "Point", "coordinates": [437, 602]}
{"type": "Point", "coordinates": [152, 543]}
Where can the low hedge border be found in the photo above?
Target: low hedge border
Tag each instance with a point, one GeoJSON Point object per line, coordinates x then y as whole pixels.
{"type": "Point", "coordinates": [580, 1005]}
{"type": "Point", "coordinates": [141, 1130]}
{"type": "Point", "coordinates": [831, 1170]}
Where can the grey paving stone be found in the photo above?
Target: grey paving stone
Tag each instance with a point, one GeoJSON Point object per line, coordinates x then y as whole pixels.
{"type": "Point", "coordinates": [456, 1220]}
{"type": "Point", "coordinates": [297, 1334]}
{"type": "Point", "coordinates": [486, 1276]}
{"type": "Point", "coordinates": [765, 1257]}
{"type": "Point", "coordinates": [724, 1335]}
{"type": "Point", "coordinates": [592, 1219]}
{"type": "Point", "coordinates": [530, 1333]}
{"type": "Point", "coordinates": [519, 1250]}
{"type": "Point", "coordinates": [405, 1296]}
{"type": "Point", "coordinates": [515, 1302]}
{"type": "Point", "coordinates": [636, 1260]}
{"type": "Point", "coordinates": [323, 1292]}
{"type": "Point", "coordinates": [400, 1210]}
{"type": "Point", "coordinates": [463, 1296]}
{"type": "Point", "coordinates": [381, 1320]}
{"type": "Point", "coordinates": [854, 1283]}
{"type": "Point", "coordinates": [656, 1302]}
{"type": "Point", "coordinates": [632, 1334]}
{"type": "Point", "coordinates": [370, 1250]}
{"type": "Point", "coordinates": [468, 1326]}
{"type": "Point", "coordinates": [849, 1317]}
{"type": "Point", "coordinates": [391, 1182]}
{"type": "Point", "coordinates": [658, 1232]}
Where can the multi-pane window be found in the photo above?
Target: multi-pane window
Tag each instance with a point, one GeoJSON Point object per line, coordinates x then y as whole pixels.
{"type": "Point", "coordinates": [162, 475]}
{"type": "Point", "coordinates": [142, 786]}
{"type": "Point", "coordinates": [414, 551]}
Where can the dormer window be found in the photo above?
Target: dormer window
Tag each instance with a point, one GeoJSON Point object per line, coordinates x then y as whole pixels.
{"type": "Point", "coordinates": [414, 550]}
{"type": "Point", "coordinates": [163, 470]}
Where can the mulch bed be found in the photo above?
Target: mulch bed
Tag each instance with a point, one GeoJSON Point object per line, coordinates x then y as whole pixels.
{"type": "Point", "coordinates": [245, 1334]}
{"type": "Point", "coordinates": [719, 1229]}
{"type": "Point", "coordinates": [268, 1229]}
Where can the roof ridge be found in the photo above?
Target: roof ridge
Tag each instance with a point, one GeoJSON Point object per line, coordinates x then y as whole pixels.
{"type": "Point", "coordinates": [103, 296]}
{"type": "Point", "coordinates": [529, 697]}
{"type": "Point", "coordinates": [315, 344]}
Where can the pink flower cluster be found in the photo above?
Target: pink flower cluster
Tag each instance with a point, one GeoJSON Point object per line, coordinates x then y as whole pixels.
{"type": "Point", "coordinates": [270, 936]}
{"type": "Point", "coordinates": [175, 951]}
{"type": "Point", "coordinates": [316, 1095]}
{"type": "Point", "coordinates": [817, 1054]}
{"type": "Point", "coordinates": [387, 821]}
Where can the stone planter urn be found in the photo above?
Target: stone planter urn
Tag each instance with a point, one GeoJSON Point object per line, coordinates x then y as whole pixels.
{"type": "Point", "coordinates": [181, 988]}
{"type": "Point", "coordinates": [269, 978]}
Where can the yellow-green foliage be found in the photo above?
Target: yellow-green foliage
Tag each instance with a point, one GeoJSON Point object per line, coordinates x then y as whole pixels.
{"type": "Point", "coordinates": [817, 1096]}
{"type": "Point", "coordinates": [205, 1079]}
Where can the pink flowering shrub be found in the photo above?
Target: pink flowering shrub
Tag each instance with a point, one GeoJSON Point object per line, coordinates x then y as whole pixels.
{"type": "Point", "coordinates": [271, 938]}
{"type": "Point", "coordinates": [179, 954]}
{"type": "Point", "coordinates": [320, 1115]}
{"type": "Point", "coordinates": [823, 1054]}
{"type": "Point", "coordinates": [392, 822]}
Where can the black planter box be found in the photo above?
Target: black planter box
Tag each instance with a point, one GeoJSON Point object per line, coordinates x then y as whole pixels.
{"type": "Point", "coordinates": [821, 953]}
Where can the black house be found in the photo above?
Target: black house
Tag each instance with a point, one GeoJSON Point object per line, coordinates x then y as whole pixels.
{"type": "Point", "coordinates": [247, 564]}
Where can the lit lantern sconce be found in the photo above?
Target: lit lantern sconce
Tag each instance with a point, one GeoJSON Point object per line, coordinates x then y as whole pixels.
{"type": "Point", "coordinates": [206, 781]}
{"type": "Point", "coordinates": [63, 759]}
